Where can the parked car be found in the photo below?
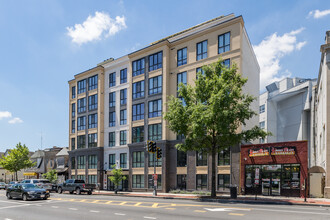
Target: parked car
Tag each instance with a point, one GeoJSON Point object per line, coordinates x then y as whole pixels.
{"type": "Point", "coordinates": [26, 192]}
{"type": "Point", "coordinates": [3, 185]}
{"type": "Point", "coordinates": [42, 183]}
{"type": "Point", "coordinates": [77, 186]}
{"type": "Point", "coordinates": [11, 183]}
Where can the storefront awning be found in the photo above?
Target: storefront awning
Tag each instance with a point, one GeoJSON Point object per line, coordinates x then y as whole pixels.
{"type": "Point", "coordinates": [30, 174]}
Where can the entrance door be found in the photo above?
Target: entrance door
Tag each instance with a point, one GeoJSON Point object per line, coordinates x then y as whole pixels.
{"type": "Point", "coordinates": [265, 184]}
{"type": "Point", "coordinates": [271, 184]}
{"type": "Point", "coordinates": [276, 184]}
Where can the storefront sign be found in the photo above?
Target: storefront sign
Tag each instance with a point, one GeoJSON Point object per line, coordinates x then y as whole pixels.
{"type": "Point", "coordinates": [259, 152]}
{"type": "Point", "coordinates": [283, 151]}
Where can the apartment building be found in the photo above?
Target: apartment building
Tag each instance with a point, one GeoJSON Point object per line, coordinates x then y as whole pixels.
{"type": "Point", "coordinates": [86, 127]}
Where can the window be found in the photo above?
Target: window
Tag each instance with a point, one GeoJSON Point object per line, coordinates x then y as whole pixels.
{"type": "Point", "coordinates": [138, 112]}
{"type": "Point", "coordinates": [181, 78]}
{"type": "Point", "coordinates": [137, 134]}
{"type": "Point", "coordinates": [112, 119]}
{"type": "Point", "coordinates": [92, 82]}
{"type": "Point", "coordinates": [158, 162]}
{"type": "Point", "coordinates": [138, 159]}
{"type": "Point", "coordinates": [138, 181]}
{"type": "Point", "coordinates": [262, 125]}
{"type": "Point", "coordinates": [73, 92]}
{"type": "Point", "coordinates": [81, 162]}
{"type": "Point", "coordinates": [81, 86]}
{"type": "Point", "coordinates": [123, 160]}
{"type": "Point", "coordinates": [182, 56]}
{"type": "Point", "coordinates": [92, 179]}
{"type": "Point", "coordinates": [92, 162]}
{"type": "Point", "coordinates": [138, 67]}
{"type": "Point", "coordinates": [81, 123]}
{"type": "Point", "coordinates": [123, 117]}
{"type": "Point", "coordinates": [155, 132]}
{"type": "Point", "coordinates": [226, 63]}
{"type": "Point", "coordinates": [156, 61]}
{"type": "Point", "coordinates": [81, 177]}
{"type": "Point", "coordinates": [200, 69]}
{"type": "Point", "coordinates": [181, 182]}
{"type": "Point", "coordinates": [92, 121]}
{"type": "Point", "coordinates": [123, 76]}
{"type": "Point", "coordinates": [262, 109]}
{"type": "Point", "coordinates": [112, 139]}
{"type": "Point", "coordinates": [73, 110]}
{"type": "Point", "coordinates": [123, 96]}
{"type": "Point", "coordinates": [81, 139]}
{"type": "Point", "coordinates": [201, 51]}
{"type": "Point", "coordinates": [73, 163]}
{"type": "Point", "coordinates": [123, 136]}
{"type": "Point", "coordinates": [92, 102]}
{"type": "Point", "coordinates": [112, 160]}
{"type": "Point", "coordinates": [112, 99]}
{"type": "Point", "coordinates": [81, 105]}
{"type": "Point", "coordinates": [201, 181]}
{"type": "Point", "coordinates": [181, 158]}
{"type": "Point", "coordinates": [73, 126]}
{"type": "Point", "coordinates": [138, 89]}
{"type": "Point", "coordinates": [151, 182]}
{"type": "Point", "coordinates": [155, 85]}
{"type": "Point", "coordinates": [92, 140]}
{"type": "Point", "coordinates": [224, 43]}
{"type": "Point", "coordinates": [112, 79]}
{"type": "Point", "coordinates": [155, 108]}
{"type": "Point", "coordinates": [223, 181]}
{"type": "Point", "coordinates": [73, 143]}
{"type": "Point", "coordinates": [201, 159]}
{"type": "Point", "coordinates": [224, 157]}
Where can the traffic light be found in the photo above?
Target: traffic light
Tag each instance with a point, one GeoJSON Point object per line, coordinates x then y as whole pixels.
{"type": "Point", "coordinates": [151, 146]}
{"type": "Point", "coordinates": [159, 153]}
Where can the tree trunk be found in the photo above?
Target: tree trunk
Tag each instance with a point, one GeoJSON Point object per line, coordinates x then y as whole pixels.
{"type": "Point", "coordinates": [213, 187]}
{"type": "Point", "coordinates": [16, 176]}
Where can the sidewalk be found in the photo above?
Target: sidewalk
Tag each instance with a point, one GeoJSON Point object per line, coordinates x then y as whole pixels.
{"type": "Point", "coordinates": [249, 199]}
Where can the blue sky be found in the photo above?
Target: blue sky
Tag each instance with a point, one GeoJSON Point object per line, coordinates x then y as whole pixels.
{"type": "Point", "coordinates": [44, 43]}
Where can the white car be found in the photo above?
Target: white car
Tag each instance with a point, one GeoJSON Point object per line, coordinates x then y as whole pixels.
{"type": "Point", "coordinates": [3, 185]}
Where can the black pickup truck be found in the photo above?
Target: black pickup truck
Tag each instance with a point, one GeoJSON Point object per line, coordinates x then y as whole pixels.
{"type": "Point", "coordinates": [79, 186]}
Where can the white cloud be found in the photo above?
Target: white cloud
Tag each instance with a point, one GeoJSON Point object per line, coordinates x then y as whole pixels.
{"type": "Point", "coordinates": [15, 121]}
{"type": "Point", "coordinates": [271, 50]}
{"type": "Point", "coordinates": [5, 115]}
{"type": "Point", "coordinates": [96, 27]}
{"type": "Point", "coordinates": [318, 14]}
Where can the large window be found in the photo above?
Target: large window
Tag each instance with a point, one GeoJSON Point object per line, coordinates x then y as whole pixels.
{"type": "Point", "coordinates": [92, 140]}
{"type": "Point", "coordinates": [138, 181]}
{"type": "Point", "coordinates": [73, 163]}
{"type": "Point", "coordinates": [123, 76]}
{"type": "Point", "coordinates": [201, 52]}
{"type": "Point", "coordinates": [112, 119]}
{"type": "Point", "coordinates": [137, 134]}
{"type": "Point", "coordinates": [201, 158]}
{"type": "Point", "coordinates": [223, 181]}
{"type": "Point", "coordinates": [73, 92]}
{"type": "Point", "coordinates": [123, 160]}
{"type": "Point", "coordinates": [112, 79]}
{"type": "Point", "coordinates": [81, 86]}
{"type": "Point", "coordinates": [112, 99]}
{"type": "Point", "coordinates": [123, 117]}
{"type": "Point", "coordinates": [92, 82]}
{"type": "Point", "coordinates": [156, 61]}
{"type": "Point", "coordinates": [138, 112]}
{"type": "Point", "coordinates": [81, 105]}
{"type": "Point", "coordinates": [81, 162]}
{"type": "Point", "coordinates": [181, 78]}
{"type": "Point", "coordinates": [73, 126]}
{"type": "Point", "coordinates": [262, 124]}
{"type": "Point", "coordinates": [158, 162]}
{"type": "Point", "coordinates": [182, 182]}
{"type": "Point", "coordinates": [155, 108]}
{"type": "Point", "coordinates": [73, 143]}
{"type": "Point", "coordinates": [123, 96]}
{"type": "Point", "coordinates": [138, 159]}
{"type": "Point", "coordinates": [73, 110]}
{"type": "Point", "coordinates": [224, 42]}
{"type": "Point", "coordinates": [155, 132]}
{"type": "Point", "coordinates": [138, 67]}
{"type": "Point", "coordinates": [261, 108]}
{"type": "Point", "coordinates": [81, 141]}
{"type": "Point", "coordinates": [151, 182]}
{"type": "Point", "coordinates": [81, 123]}
{"type": "Point", "coordinates": [182, 56]}
{"type": "Point", "coordinates": [155, 85]}
{"type": "Point", "coordinates": [224, 157]}
{"type": "Point", "coordinates": [181, 158]}
{"type": "Point", "coordinates": [201, 181]}
{"type": "Point", "coordinates": [226, 63]}
{"type": "Point", "coordinates": [92, 179]}
{"type": "Point", "coordinates": [112, 139]}
{"type": "Point", "coordinates": [123, 137]}
{"type": "Point", "coordinates": [112, 160]}
{"type": "Point", "coordinates": [92, 162]}
{"type": "Point", "coordinates": [92, 121]}
{"type": "Point", "coordinates": [138, 89]}
{"type": "Point", "coordinates": [92, 102]}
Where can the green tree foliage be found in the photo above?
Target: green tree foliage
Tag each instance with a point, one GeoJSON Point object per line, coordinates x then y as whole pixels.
{"type": "Point", "coordinates": [51, 176]}
{"type": "Point", "coordinates": [116, 177]}
{"type": "Point", "coordinates": [17, 159]}
{"type": "Point", "coordinates": [212, 113]}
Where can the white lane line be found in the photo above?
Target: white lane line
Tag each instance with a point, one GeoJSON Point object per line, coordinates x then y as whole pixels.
{"type": "Point", "coordinates": [38, 205]}
{"type": "Point", "coordinates": [290, 211]}
{"type": "Point", "coordinates": [55, 207]}
{"type": "Point", "coordinates": [14, 206]}
{"type": "Point", "coordinates": [94, 211]}
{"type": "Point", "coordinates": [73, 209]}
{"type": "Point", "coordinates": [149, 217]}
{"type": "Point", "coordinates": [8, 219]}
{"type": "Point", "coordinates": [119, 214]}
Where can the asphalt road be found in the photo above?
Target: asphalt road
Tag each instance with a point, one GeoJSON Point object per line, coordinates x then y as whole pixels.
{"type": "Point", "coordinates": [94, 207]}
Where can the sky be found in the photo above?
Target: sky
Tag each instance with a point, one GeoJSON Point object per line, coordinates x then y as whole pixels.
{"type": "Point", "coordinates": [43, 44]}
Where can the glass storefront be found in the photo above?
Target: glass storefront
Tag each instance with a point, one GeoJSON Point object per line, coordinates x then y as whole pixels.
{"type": "Point", "coordinates": [274, 180]}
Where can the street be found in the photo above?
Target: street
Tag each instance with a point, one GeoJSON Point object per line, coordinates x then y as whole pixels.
{"type": "Point", "coordinates": [67, 206]}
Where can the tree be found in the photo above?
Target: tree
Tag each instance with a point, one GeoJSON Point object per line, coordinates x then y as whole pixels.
{"type": "Point", "coordinates": [212, 112]}
{"type": "Point", "coordinates": [51, 176]}
{"type": "Point", "coordinates": [116, 177]}
{"type": "Point", "coordinates": [17, 159]}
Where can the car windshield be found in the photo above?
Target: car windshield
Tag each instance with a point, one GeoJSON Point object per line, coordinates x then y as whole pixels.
{"type": "Point", "coordinates": [29, 186]}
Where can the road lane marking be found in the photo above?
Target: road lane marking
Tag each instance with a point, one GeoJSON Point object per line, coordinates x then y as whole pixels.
{"type": "Point", "coordinates": [73, 209]}
{"type": "Point", "coordinates": [14, 206]}
{"type": "Point", "coordinates": [8, 219]}
{"type": "Point", "coordinates": [122, 203]}
{"type": "Point", "coordinates": [137, 204]}
{"type": "Point", "coordinates": [149, 217]}
{"type": "Point", "coordinates": [199, 211]}
{"type": "Point", "coordinates": [108, 202]}
{"type": "Point", "coordinates": [94, 211]}
{"type": "Point", "coordinates": [95, 201]}
{"type": "Point", "coordinates": [55, 207]}
{"type": "Point", "coordinates": [238, 214]}
{"type": "Point", "coordinates": [119, 214]}
{"type": "Point", "coordinates": [226, 209]}
{"type": "Point", "coordinates": [170, 208]}
{"type": "Point", "coordinates": [155, 205]}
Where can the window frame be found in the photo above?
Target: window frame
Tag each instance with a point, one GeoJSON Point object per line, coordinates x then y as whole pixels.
{"type": "Point", "coordinates": [123, 117]}
{"type": "Point", "coordinates": [139, 112]}
{"type": "Point", "coordinates": [92, 82]}
{"type": "Point", "coordinates": [92, 140]}
{"type": "Point", "coordinates": [155, 85]}
{"type": "Point", "coordinates": [123, 137]}
{"type": "Point", "coordinates": [112, 142]}
{"type": "Point", "coordinates": [135, 132]}
{"type": "Point", "coordinates": [112, 160]}
{"type": "Point", "coordinates": [158, 57]}
{"type": "Point", "coordinates": [112, 119]}
{"type": "Point", "coordinates": [81, 86]}
{"type": "Point", "coordinates": [138, 90]}
{"type": "Point", "coordinates": [112, 99]}
{"type": "Point", "coordinates": [81, 105]}
{"type": "Point", "coordinates": [81, 123]}
{"type": "Point", "coordinates": [92, 102]}
{"type": "Point", "coordinates": [155, 108]}
{"type": "Point", "coordinates": [123, 96]}
{"type": "Point", "coordinates": [156, 132]}
{"type": "Point", "coordinates": [137, 159]}
{"type": "Point", "coordinates": [92, 121]}
{"type": "Point", "coordinates": [201, 54]}
{"type": "Point", "coordinates": [180, 54]}
{"type": "Point", "coordinates": [123, 76]}
{"type": "Point", "coordinates": [123, 160]}
{"type": "Point", "coordinates": [112, 79]}
{"type": "Point", "coordinates": [138, 67]}
{"type": "Point", "coordinates": [92, 161]}
{"type": "Point", "coordinates": [224, 47]}
{"type": "Point", "coordinates": [81, 141]}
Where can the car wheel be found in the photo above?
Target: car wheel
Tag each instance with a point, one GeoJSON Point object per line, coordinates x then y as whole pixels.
{"type": "Point", "coordinates": [78, 191]}
{"type": "Point", "coordinates": [89, 192]}
{"type": "Point", "coordinates": [45, 198]}
{"type": "Point", "coordinates": [71, 192]}
{"type": "Point", "coordinates": [8, 196]}
{"type": "Point", "coordinates": [59, 190]}
{"type": "Point", "coordinates": [25, 198]}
